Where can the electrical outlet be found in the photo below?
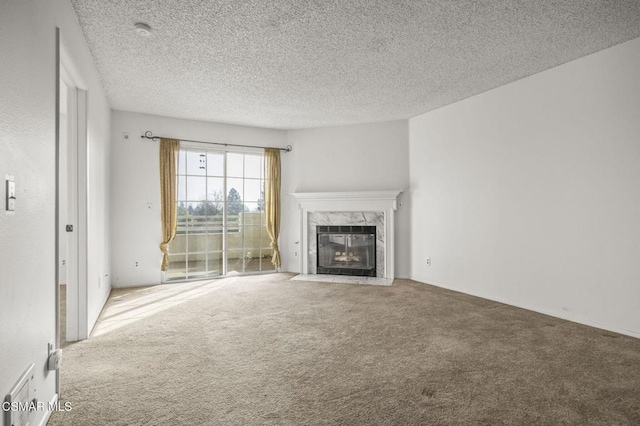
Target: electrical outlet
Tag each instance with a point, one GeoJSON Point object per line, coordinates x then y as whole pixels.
{"type": "Point", "coordinates": [295, 254]}
{"type": "Point", "coordinates": [125, 137]}
{"type": "Point", "coordinates": [428, 261]}
{"type": "Point", "coordinates": [136, 264]}
{"type": "Point", "coordinates": [64, 262]}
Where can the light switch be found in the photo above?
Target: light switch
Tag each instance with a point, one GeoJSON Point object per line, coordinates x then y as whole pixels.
{"type": "Point", "coordinates": [11, 193]}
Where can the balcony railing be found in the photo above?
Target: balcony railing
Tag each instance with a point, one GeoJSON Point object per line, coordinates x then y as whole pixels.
{"type": "Point", "coordinates": [207, 224]}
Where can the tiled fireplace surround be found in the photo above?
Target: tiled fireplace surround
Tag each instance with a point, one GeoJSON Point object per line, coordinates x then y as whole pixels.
{"type": "Point", "coordinates": [370, 208]}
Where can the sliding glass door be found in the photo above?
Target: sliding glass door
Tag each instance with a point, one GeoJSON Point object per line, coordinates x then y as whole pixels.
{"type": "Point", "coordinates": [221, 220]}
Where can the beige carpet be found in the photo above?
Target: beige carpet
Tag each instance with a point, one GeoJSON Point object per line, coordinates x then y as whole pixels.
{"type": "Point", "coordinates": [264, 350]}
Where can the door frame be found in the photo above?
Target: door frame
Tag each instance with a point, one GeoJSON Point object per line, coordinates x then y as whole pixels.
{"type": "Point", "coordinates": [75, 149]}
{"type": "Point", "coordinates": [203, 147]}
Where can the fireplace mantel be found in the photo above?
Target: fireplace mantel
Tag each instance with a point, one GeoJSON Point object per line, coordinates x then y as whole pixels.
{"type": "Point", "coordinates": [384, 202]}
{"type": "Point", "coordinates": [385, 197]}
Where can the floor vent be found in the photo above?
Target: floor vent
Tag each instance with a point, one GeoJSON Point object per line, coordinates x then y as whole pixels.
{"type": "Point", "coordinates": [19, 400]}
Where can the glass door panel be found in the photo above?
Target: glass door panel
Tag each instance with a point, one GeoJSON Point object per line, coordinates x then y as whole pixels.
{"type": "Point", "coordinates": [265, 260]}
{"type": "Point", "coordinates": [253, 166]}
{"type": "Point", "coordinates": [215, 264]}
{"type": "Point", "coordinates": [177, 266]}
{"type": "Point", "coordinates": [235, 261]}
{"type": "Point", "coordinates": [197, 265]}
{"type": "Point", "coordinates": [221, 220]}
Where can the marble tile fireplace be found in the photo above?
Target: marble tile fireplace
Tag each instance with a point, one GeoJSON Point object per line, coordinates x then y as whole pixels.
{"type": "Point", "coordinates": [330, 210]}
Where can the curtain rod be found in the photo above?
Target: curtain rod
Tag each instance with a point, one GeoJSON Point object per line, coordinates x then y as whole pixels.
{"type": "Point", "coordinates": [149, 135]}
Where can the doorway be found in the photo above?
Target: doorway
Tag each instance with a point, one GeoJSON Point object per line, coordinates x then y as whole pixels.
{"type": "Point", "coordinates": [71, 201]}
{"type": "Point", "coordinates": [222, 226]}
{"type": "Point", "coordinates": [67, 96]}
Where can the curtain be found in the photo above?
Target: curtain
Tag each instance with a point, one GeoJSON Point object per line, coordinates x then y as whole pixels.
{"type": "Point", "coordinates": [272, 200]}
{"type": "Point", "coordinates": [169, 152]}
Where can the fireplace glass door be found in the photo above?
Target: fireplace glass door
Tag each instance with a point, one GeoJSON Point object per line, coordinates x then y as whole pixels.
{"type": "Point", "coordinates": [347, 250]}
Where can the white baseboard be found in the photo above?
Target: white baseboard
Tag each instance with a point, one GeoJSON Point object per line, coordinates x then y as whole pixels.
{"type": "Point", "coordinates": [48, 413]}
{"type": "Point", "coordinates": [562, 315]}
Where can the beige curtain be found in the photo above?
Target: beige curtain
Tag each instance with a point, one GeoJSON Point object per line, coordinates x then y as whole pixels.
{"type": "Point", "coordinates": [272, 200]}
{"type": "Point", "coordinates": [169, 152]}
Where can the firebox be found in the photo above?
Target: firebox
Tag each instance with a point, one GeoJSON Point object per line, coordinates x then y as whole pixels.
{"type": "Point", "coordinates": [346, 250]}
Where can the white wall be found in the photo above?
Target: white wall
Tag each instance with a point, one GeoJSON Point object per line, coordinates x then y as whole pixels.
{"type": "Point", "coordinates": [364, 157]}
{"type": "Point", "coordinates": [135, 176]}
{"type": "Point", "coordinates": [27, 151]}
{"type": "Point", "coordinates": [529, 194]}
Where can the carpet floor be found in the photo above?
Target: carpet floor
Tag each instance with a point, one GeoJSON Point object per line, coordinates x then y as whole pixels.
{"type": "Point", "coordinates": [263, 350]}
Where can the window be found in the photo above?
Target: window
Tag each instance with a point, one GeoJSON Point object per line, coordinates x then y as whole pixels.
{"type": "Point", "coordinates": [221, 220]}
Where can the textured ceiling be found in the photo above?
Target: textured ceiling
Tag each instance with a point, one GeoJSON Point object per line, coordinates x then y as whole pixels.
{"type": "Point", "coordinates": [310, 63]}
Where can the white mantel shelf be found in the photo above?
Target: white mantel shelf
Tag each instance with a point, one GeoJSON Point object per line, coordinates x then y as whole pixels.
{"type": "Point", "coordinates": [353, 201]}
{"type": "Point", "coordinates": [391, 196]}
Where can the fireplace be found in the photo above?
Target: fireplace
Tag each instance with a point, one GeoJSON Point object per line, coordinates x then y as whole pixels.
{"type": "Point", "coordinates": [364, 208]}
{"type": "Point", "coordinates": [346, 250]}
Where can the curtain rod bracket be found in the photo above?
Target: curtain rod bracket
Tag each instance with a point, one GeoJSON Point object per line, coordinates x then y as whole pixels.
{"type": "Point", "coordinates": [149, 135]}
